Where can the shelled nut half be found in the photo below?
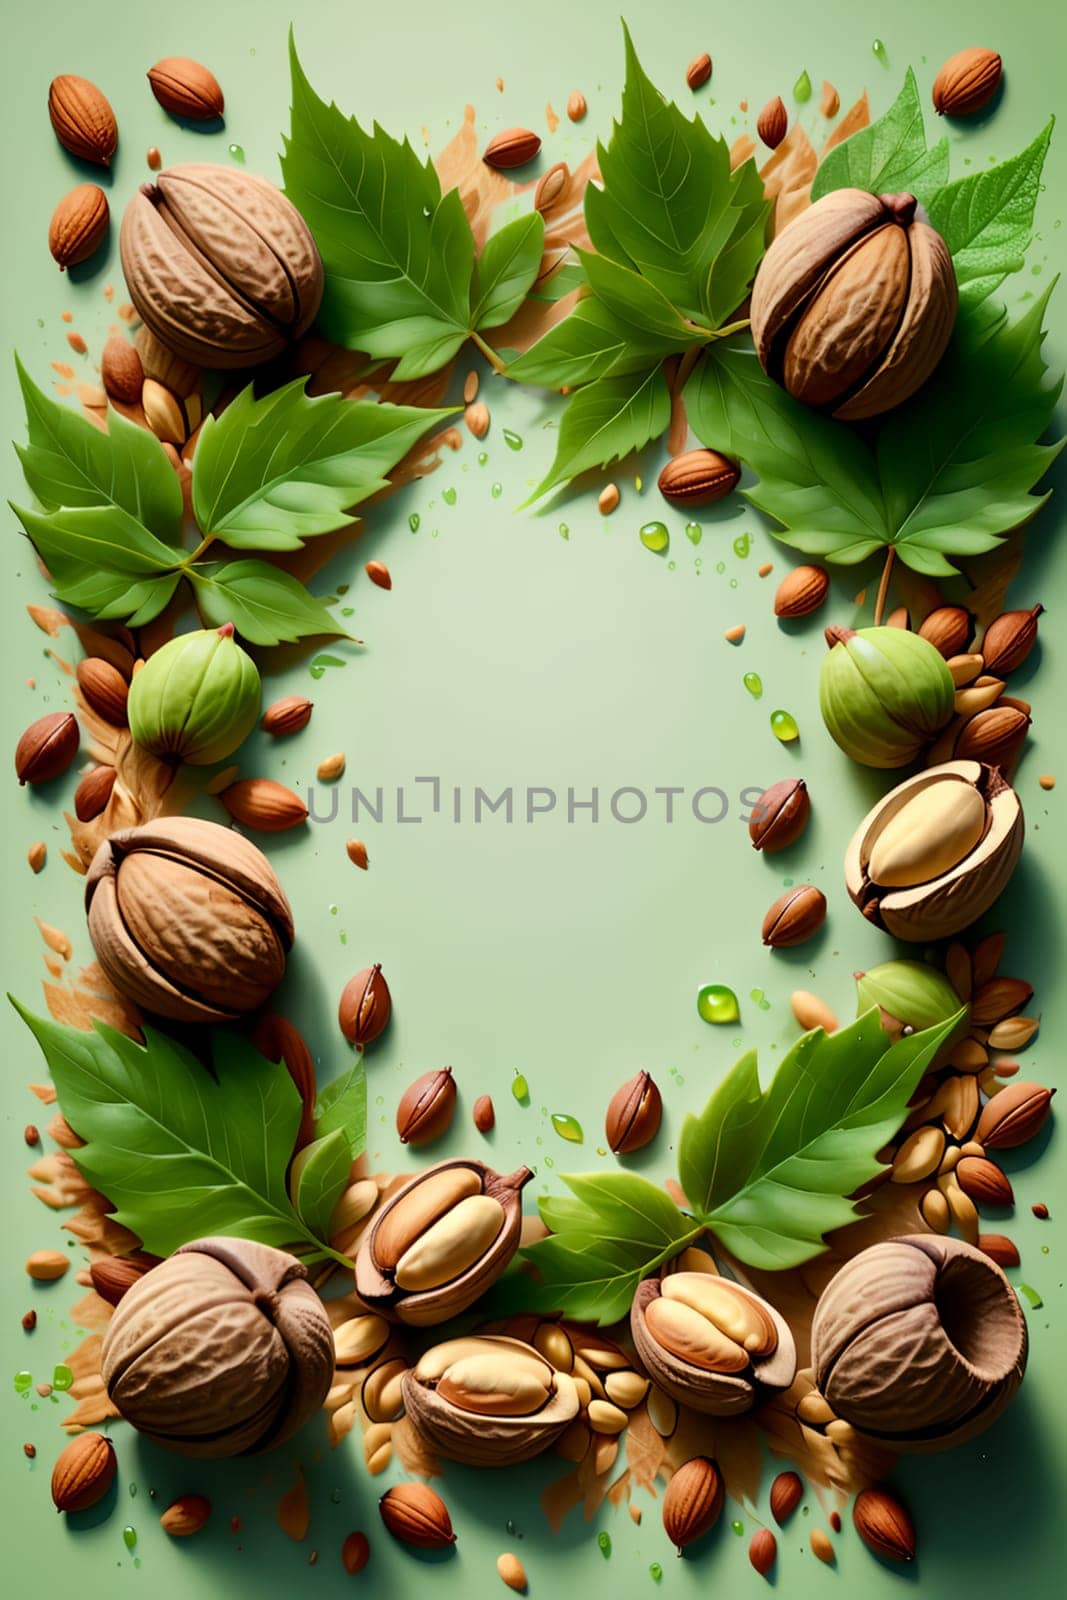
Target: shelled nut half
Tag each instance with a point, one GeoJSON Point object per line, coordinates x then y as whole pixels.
{"type": "Point", "coordinates": [935, 853]}
{"type": "Point", "coordinates": [488, 1401]}
{"type": "Point", "coordinates": [440, 1242]}
{"type": "Point", "coordinates": [709, 1343]}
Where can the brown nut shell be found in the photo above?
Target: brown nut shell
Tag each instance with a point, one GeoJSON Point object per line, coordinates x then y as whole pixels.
{"type": "Point", "coordinates": [186, 88]}
{"type": "Point", "coordinates": [83, 120]}
{"type": "Point", "coordinates": [83, 1472]}
{"type": "Point", "coordinates": [949, 629]}
{"type": "Point", "coordinates": [365, 1006]}
{"type": "Point", "coordinates": [780, 815]}
{"type": "Point", "coordinates": [693, 1502]}
{"type": "Point", "coordinates": [512, 148]}
{"type": "Point", "coordinates": [504, 1434]}
{"type": "Point", "coordinates": [1009, 639]}
{"type": "Point", "coordinates": [966, 82]}
{"type": "Point", "coordinates": [1014, 1116]}
{"type": "Point", "coordinates": [47, 748]}
{"type": "Point", "coordinates": [719, 1394]}
{"type": "Point", "coordinates": [634, 1114]}
{"type": "Point", "coordinates": [698, 478]}
{"type": "Point", "coordinates": [416, 1515]}
{"type": "Point", "coordinates": [884, 1525]}
{"type": "Point", "coordinates": [426, 1107]}
{"type": "Point", "coordinates": [78, 226]}
{"type": "Point", "coordinates": [795, 916]}
{"type": "Point", "coordinates": [801, 592]}
{"type": "Point", "coordinates": [919, 1341]}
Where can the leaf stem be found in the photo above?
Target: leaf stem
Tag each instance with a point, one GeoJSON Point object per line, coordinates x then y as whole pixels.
{"type": "Point", "coordinates": [489, 353]}
{"type": "Point", "coordinates": [883, 587]}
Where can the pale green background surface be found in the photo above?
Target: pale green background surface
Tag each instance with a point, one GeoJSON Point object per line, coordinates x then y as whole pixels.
{"type": "Point", "coordinates": [507, 655]}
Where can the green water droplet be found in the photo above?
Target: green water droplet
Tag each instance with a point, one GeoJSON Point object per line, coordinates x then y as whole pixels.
{"type": "Point", "coordinates": [62, 1377]}
{"type": "Point", "coordinates": [802, 88]}
{"type": "Point", "coordinates": [449, 496]}
{"type": "Point", "coordinates": [564, 531]}
{"type": "Point", "coordinates": [879, 49]}
{"type": "Point", "coordinates": [754, 684]}
{"type": "Point", "coordinates": [742, 545]}
{"type": "Point", "coordinates": [717, 1003]}
{"type": "Point", "coordinates": [1044, 1249]}
{"type": "Point", "coordinates": [720, 567]}
{"type": "Point", "coordinates": [133, 1491]}
{"type": "Point", "coordinates": [1032, 1295]}
{"type": "Point", "coordinates": [567, 1127]}
{"type": "Point", "coordinates": [738, 1528]}
{"type": "Point", "coordinates": [129, 1536]}
{"type": "Point", "coordinates": [784, 727]}
{"type": "Point", "coordinates": [23, 1382]}
{"type": "Point", "coordinates": [497, 490]}
{"type": "Point", "coordinates": [602, 1152]}
{"type": "Point", "coordinates": [483, 457]}
{"type": "Point", "coordinates": [694, 532]}
{"type": "Point", "coordinates": [549, 1161]}
{"type": "Point", "coordinates": [654, 537]}
{"type": "Point", "coordinates": [320, 663]}
{"type": "Point", "coordinates": [603, 1539]}
{"type": "Point", "coordinates": [237, 152]}
{"type": "Point", "coordinates": [335, 1497]}
{"type": "Point", "coordinates": [655, 1572]}
{"type": "Point", "coordinates": [804, 1511]}
{"type": "Point", "coordinates": [520, 1089]}
{"type": "Point", "coordinates": [348, 611]}
{"type": "Point", "coordinates": [511, 1528]}
{"type": "Point", "coordinates": [413, 521]}
{"type": "Point", "coordinates": [512, 440]}
{"type": "Point", "coordinates": [760, 999]}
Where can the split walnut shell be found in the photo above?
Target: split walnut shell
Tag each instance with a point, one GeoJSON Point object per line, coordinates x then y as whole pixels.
{"type": "Point", "coordinates": [920, 1342]}
{"type": "Point", "coordinates": [934, 854]}
{"type": "Point", "coordinates": [854, 303]}
{"type": "Point", "coordinates": [222, 1350]}
{"type": "Point", "coordinates": [488, 1401]}
{"type": "Point", "coordinates": [711, 1344]}
{"type": "Point", "coordinates": [188, 919]}
{"type": "Point", "coordinates": [440, 1242]}
{"type": "Point", "coordinates": [220, 265]}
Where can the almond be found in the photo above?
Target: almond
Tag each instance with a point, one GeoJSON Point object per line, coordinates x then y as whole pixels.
{"type": "Point", "coordinates": [1009, 639]}
{"type": "Point", "coordinates": [993, 736]}
{"type": "Point", "coordinates": [356, 851]}
{"type": "Point", "coordinates": [1014, 1033]}
{"type": "Point", "coordinates": [186, 89]}
{"type": "Point", "coordinates": [949, 629]}
{"type": "Point", "coordinates": [698, 478]}
{"type": "Point", "coordinates": [83, 1473]}
{"type": "Point", "coordinates": [964, 669]}
{"type": "Point", "coordinates": [484, 1114]}
{"type": "Point", "coordinates": [801, 592]}
{"type": "Point", "coordinates": [999, 998]}
{"type": "Point", "coordinates": [365, 1006]}
{"type": "Point", "coordinates": [551, 186]}
{"type": "Point", "coordinates": [121, 370]}
{"type": "Point", "coordinates": [607, 499]}
{"type": "Point", "coordinates": [187, 1515]}
{"type": "Point", "coordinates": [93, 793]}
{"type": "Point", "coordinates": [287, 716]}
{"type": "Point", "coordinates": [47, 748]}
{"type": "Point", "coordinates": [104, 688]}
{"type": "Point", "coordinates": [794, 917]}
{"type": "Point", "coordinates": [82, 118]}
{"type": "Point", "coordinates": [884, 1525]}
{"type": "Point", "coordinates": [812, 1012]}
{"type": "Point", "coordinates": [966, 82]}
{"type": "Point", "coordinates": [984, 1182]}
{"type": "Point", "coordinates": [37, 855]}
{"type": "Point", "coordinates": [379, 574]}
{"type": "Point", "coordinates": [112, 1276]}
{"type": "Point", "coordinates": [332, 768]}
{"type": "Point", "coordinates": [999, 1248]}
{"type": "Point", "coordinates": [821, 1547]}
{"type": "Point", "coordinates": [415, 1514]}
{"type": "Point", "coordinates": [698, 71]}
{"type": "Point", "coordinates": [163, 412]}
{"type": "Point", "coordinates": [576, 106]}
{"type": "Point", "coordinates": [426, 1107]}
{"type": "Point", "coordinates": [1013, 1116]}
{"type": "Point", "coordinates": [693, 1501]}
{"type": "Point", "coordinates": [264, 805]}
{"type": "Point", "coordinates": [355, 1552]}
{"type": "Point", "coordinates": [763, 1551]}
{"type": "Point", "coordinates": [772, 123]}
{"type": "Point", "coordinates": [512, 1572]}
{"type": "Point", "coordinates": [512, 148]}
{"type": "Point", "coordinates": [476, 417]}
{"type": "Point", "coordinates": [470, 386]}
{"type": "Point", "coordinates": [47, 1266]}
{"type": "Point", "coordinates": [787, 1491]}
{"type": "Point", "coordinates": [78, 225]}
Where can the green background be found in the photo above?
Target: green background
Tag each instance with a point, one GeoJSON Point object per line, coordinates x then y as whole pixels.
{"type": "Point", "coordinates": [507, 654]}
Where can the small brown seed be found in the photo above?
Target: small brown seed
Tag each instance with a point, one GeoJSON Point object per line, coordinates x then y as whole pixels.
{"type": "Point", "coordinates": [355, 1552]}
{"type": "Point", "coordinates": [287, 716]}
{"type": "Point", "coordinates": [470, 388]}
{"type": "Point", "coordinates": [794, 917]}
{"type": "Point", "coordinates": [1039, 1208]}
{"type": "Point", "coordinates": [356, 851]}
{"type": "Point", "coordinates": [772, 123]}
{"type": "Point", "coordinates": [29, 1321]}
{"type": "Point", "coordinates": [698, 71]}
{"type": "Point", "coordinates": [999, 1248]}
{"type": "Point", "coordinates": [512, 1572]}
{"type": "Point", "coordinates": [884, 1524]}
{"type": "Point", "coordinates": [415, 1514]}
{"type": "Point", "coordinates": [186, 1516]}
{"type": "Point", "coordinates": [698, 478]}
{"type": "Point", "coordinates": [763, 1551]}
{"type": "Point", "coordinates": [153, 158]}
{"type": "Point", "coordinates": [93, 793]}
{"type": "Point", "coordinates": [476, 417]}
{"type": "Point", "coordinates": [366, 1006]}
{"type": "Point", "coordinates": [121, 371]}
{"type": "Point", "coordinates": [37, 855]}
{"type": "Point", "coordinates": [163, 412]}
{"type": "Point", "coordinates": [186, 89]}
{"type": "Point", "coordinates": [263, 805]}
{"type": "Point", "coordinates": [787, 1491]}
{"type": "Point", "coordinates": [780, 815]}
{"type": "Point", "coordinates": [576, 106]}
{"type": "Point", "coordinates": [104, 688]}
{"type": "Point", "coordinates": [426, 1108]}
{"type": "Point", "coordinates": [29, 1450]}
{"type": "Point", "coordinates": [984, 1182]}
{"type": "Point", "coordinates": [830, 104]}
{"type": "Point", "coordinates": [801, 592]}
{"type": "Point", "coordinates": [821, 1546]}
{"type": "Point", "coordinates": [551, 186]}
{"type": "Point", "coordinates": [47, 748]}
{"type": "Point", "coordinates": [966, 82]}
{"type": "Point", "coordinates": [83, 1472]}
{"type": "Point", "coordinates": [812, 1012]}
{"type": "Point", "coordinates": [31, 1134]}
{"type": "Point", "coordinates": [898, 618]}
{"type": "Point", "coordinates": [693, 1501]}
{"type": "Point", "coordinates": [331, 768]}
{"type": "Point", "coordinates": [46, 1266]}
{"type": "Point", "coordinates": [379, 574]}
{"type": "Point", "coordinates": [83, 120]}
{"type": "Point", "coordinates": [608, 499]}
{"type": "Point", "coordinates": [483, 1114]}
{"type": "Point", "coordinates": [78, 226]}
{"type": "Point", "coordinates": [512, 148]}
{"type": "Point", "coordinates": [634, 1114]}
{"type": "Point", "coordinates": [948, 629]}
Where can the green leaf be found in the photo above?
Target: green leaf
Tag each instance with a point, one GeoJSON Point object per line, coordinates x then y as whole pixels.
{"type": "Point", "coordinates": [505, 270]}
{"type": "Point", "coordinates": [103, 561]}
{"type": "Point", "coordinates": [270, 473]}
{"type": "Point", "coordinates": [606, 421]}
{"type": "Point", "coordinates": [619, 1228]}
{"type": "Point", "coordinates": [178, 1152]}
{"type": "Point", "coordinates": [987, 219]}
{"type": "Point", "coordinates": [342, 1105]}
{"type": "Point", "coordinates": [398, 256]}
{"type": "Point", "coordinates": [69, 462]}
{"type": "Point", "coordinates": [888, 156]}
{"type": "Point", "coordinates": [770, 1171]}
{"type": "Point", "coordinates": [322, 1177]}
{"type": "Point", "coordinates": [591, 343]}
{"type": "Point", "coordinates": [265, 605]}
{"type": "Point", "coordinates": [636, 302]}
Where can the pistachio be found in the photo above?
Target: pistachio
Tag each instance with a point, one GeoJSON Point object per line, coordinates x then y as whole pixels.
{"type": "Point", "coordinates": [710, 1343]}
{"type": "Point", "coordinates": [196, 698]}
{"type": "Point", "coordinates": [365, 1007]}
{"type": "Point", "coordinates": [780, 815]}
{"type": "Point", "coordinates": [910, 994]}
{"type": "Point", "coordinates": [626, 1389]}
{"type": "Point", "coordinates": [382, 1393]}
{"type": "Point", "coordinates": [355, 1341]}
{"type": "Point", "coordinates": [489, 1401]}
{"type": "Point", "coordinates": [633, 1115]}
{"type": "Point", "coordinates": [426, 1107]}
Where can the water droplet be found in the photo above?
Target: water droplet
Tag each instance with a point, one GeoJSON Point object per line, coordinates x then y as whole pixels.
{"type": "Point", "coordinates": [129, 1536]}
{"type": "Point", "coordinates": [1032, 1295]}
{"type": "Point", "coordinates": [567, 1127]}
{"type": "Point", "coordinates": [23, 1382]}
{"type": "Point", "coordinates": [784, 727]}
{"type": "Point", "coordinates": [879, 49]}
{"type": "Point", "coordinates": [1044, 1249]}
{"type": "Point", "coordinates": [694, 532]}
{"type": "Point", "coordinates": [717, 1003]}
{"type": "Point", "coordinates": [449, 496]}
{"type": "Point", "coordinates": [654, 537]}
{"type": "Point", "coordinates": [497, 490]}
{"type": "Point", "coordinates": [520, 1089]}
{"type": "Point", "coordinates": [333, 911]}
{"type": "Point", "coordinates": [413, 521]}
{"type": "Point", "coordinates": [62, 1377]}
{"type": "Point", "coordinates": [549, 1161]}
{"type": "Point", "coordinates": [512, 440]}
{"type": "Point", "coordinates": [655, 1572]}
{"type": "Point", "coordinates": [483, 457]}
{"type": "Point", "coordinates": [738, 1528]}
{"type": "Point", "coordinates": [335, 1497]}
{"type": "Point", "coordinates": [602, 1152]}
{"type": "Point", "coordinates": [348, 611]}
{"type": "Point", "coordinates": [320, 663]}
{"type": "Point", "coordinates": [237, 152]}
{"type": "Point", "coordinates": [603, 1539]}
{"type": "Point", "coordinates": [564, 531]}
{"type": "Point", "coordinates": [754, 684]}
{"type": "Point", "coordinates": [802, 88]}
{"type": "Point", "coordinates": [742, 545]}
{"type": "Point", "coordinates": [720, 566]}
{"type": "Point", "coordinates": [760, 999]}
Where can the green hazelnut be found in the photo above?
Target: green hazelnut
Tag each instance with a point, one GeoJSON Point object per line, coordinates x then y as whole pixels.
{"type": "Point", "coordinates": [196, 698]}
{"type": "Point", "coordinates": [911, 995]}
{"type": "Point", "coordinates": [884, 694]}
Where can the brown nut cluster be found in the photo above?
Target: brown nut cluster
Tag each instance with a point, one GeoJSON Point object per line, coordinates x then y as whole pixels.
{"type": "Point", "coordinates": [222, 1350]}
{"type": "Point", "coordinates": [440, 1242]}
{"type": "Point", "coordinates": [488, 1401]}
{"type": "Point", "coordinates": [710, 1343]}
{"type": "Point", "coordinates": [919, 1341]}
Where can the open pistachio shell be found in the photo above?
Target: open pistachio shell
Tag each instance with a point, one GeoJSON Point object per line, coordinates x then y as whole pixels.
{"type": "Point", "coordinates": [488, 1401]}
{"type": "Point", "coordinates": [719, 1393]}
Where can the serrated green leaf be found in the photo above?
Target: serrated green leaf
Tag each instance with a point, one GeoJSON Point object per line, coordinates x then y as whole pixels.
{"type": "Point", "coordinates": [607, 420]}
{"type": "Point", "coordinates": [270, 473]}
{"type": "Point", "coordinates": [770, 1172]}
{"type": "Point", "coordinates": [398, 255]}
{"type": "Point", "coordinates": [591, 343]}
{"type": "Point", "coordinates": [265, 605]}
{"type": "Point", "coordinates": [69, 462]}
{"type": "Point", "coordinates": [325, 1166]}
{"type": "Point", "coordinates": [103, 561]}
{"type": "Point", "coordinates": [180, 1153]}
{"type": "Point", "coordinates": [888, 156]}
{"type": "Point", "coordinates": [987, 218]}
{"type": "Point", "coordinates": [342, 1105]}
{"type": "Point", "coordinates": [637, 302]}
{"type": "Point", "coordinates": [505, 270]}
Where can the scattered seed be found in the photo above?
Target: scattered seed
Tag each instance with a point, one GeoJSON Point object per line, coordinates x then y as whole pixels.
{"type": "Point", "coordinates": [37, 855]}
{"type": "Point", "coordinates": [43, 1389]}
{"type": "Point", "coordinates": [379, 573]}
{"type": "Point", "coordinates": [512, 1572]}
{"type": "Point", "coordinates": [46, 1266]}
{"type": "Point", "coordinates": [835, 1516]}
{"type": "Point", "coordinates": [765, 570]}
{"type": "Point", "coordinates": [331, 769]}
{"type": "Point", "coordinates": [355, 1552]}
{"type": "Point", "coordinates": [1040, 1211]}
{"type": "Point", "coordinates": [635, 1514]}
{"type": "Point", "coordinates": [830, 104]}
{"type": "Point", "coordinates": [821, 1546]}
{"type": "Point", "coordinates": [29, 1450]}
{"type": "Point", "coordinates": [576, 106]}
{"type": "Point", "coordinates": [357, 854]}
{"type": "Point", "coordinates": [1047, 781]}
{"type": "Point", "coordinates": [470, 388]}
{"type": "Point", "coordinates": [763, 1551]}
{"type": "Point", "coordinates": [29, 1321]}
{"type": "Point", "coordinates": [223, 779]}
{"type": "Point", "coordinates": [77, 343]}
{"type": "Point", "coordinates": [476, 417]}
{"type": "Point", "coordinates": [736, 634]}
{"type": "Point", "coordinates": [153, 157]}
{"type": "Point", "coordinates": [608, 499]}
{"type": "Point", "coordinates": [483, 1113]}
{"type": "Point", "coordinates": [31, 1134]}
